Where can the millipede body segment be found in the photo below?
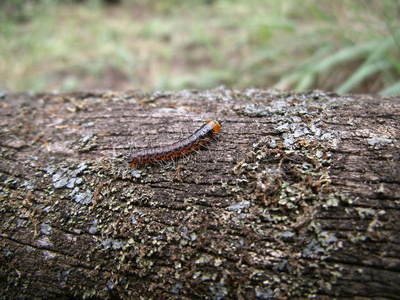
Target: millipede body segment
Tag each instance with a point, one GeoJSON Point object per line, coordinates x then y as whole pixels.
{"type": "Point", "coordinates": [197, 140]}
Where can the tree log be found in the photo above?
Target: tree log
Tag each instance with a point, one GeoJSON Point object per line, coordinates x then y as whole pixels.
{"type": "Point", "coordinates": [299, 196]}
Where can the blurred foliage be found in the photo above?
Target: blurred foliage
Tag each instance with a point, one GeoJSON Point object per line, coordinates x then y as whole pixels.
{"type": "Point", "coordinates": [344, 46]}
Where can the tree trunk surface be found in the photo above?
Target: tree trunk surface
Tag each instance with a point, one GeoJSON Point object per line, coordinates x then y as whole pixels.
{"type": "Point", "coordinates": [298, 196]}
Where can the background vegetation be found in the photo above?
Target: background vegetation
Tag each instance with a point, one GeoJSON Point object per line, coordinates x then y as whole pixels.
{"type": "Point", "coordinates": [343, 46]}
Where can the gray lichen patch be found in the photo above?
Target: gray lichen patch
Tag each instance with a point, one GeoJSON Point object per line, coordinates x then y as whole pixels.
{"type": "Point", "coordinates": [298, 118]}
{"type": "Point", "coordinates": [93, 229]}
{"type": "Point", "coordinates": [45, 229]}
{"type": "Point", "coordinates": [238, 206]}
{"type": "Point", "coordinates": [87, 142]}
{"type": "Point", "coordinates": [377, 142]}
{"type": "Point", "coordinates": [67, 176]}
{"type": "Point", "coordinates": [70, 178]}
{"type": "Point", "coordinates": [110, 243]}
{"type": "Point", "coordinates": [84, 197]}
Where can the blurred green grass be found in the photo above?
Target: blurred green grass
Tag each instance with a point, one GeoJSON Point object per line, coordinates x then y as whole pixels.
{"type": "Point", "coordinates": [344, 46]}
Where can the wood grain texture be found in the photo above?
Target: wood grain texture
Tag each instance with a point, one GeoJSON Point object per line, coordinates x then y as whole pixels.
{"type": "Point", "coordinates": [299, 197]}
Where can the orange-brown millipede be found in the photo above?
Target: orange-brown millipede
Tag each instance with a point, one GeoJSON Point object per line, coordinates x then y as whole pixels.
{"type": "Point", "coordinates": [197, 140]}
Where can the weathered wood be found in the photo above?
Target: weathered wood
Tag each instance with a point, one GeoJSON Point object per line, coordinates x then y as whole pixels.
{"type": "Point", "coordinates": [298, 198]}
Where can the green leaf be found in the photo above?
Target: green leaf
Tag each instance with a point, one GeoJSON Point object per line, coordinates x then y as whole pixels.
{"type": "Point", "coordinates": [362, 73]}
{"type": "Point", "coordinates": [393, 90]}
{"type": "Point", "coordinates": [345, 54]}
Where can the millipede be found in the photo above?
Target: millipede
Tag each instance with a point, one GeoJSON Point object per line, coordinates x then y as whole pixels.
{"type": "Point", "coordinates": [197, 140]}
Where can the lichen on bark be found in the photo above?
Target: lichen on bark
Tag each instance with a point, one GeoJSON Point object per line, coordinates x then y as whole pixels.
{"type": "Point", "coordinates": [299, 197]}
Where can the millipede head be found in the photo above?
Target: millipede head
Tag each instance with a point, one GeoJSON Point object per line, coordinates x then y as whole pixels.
{"type": "Point", "coordinates": [216, 126]}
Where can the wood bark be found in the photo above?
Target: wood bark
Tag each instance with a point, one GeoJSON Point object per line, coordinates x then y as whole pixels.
{"type": "Point", "coordinates": [298, 197]}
